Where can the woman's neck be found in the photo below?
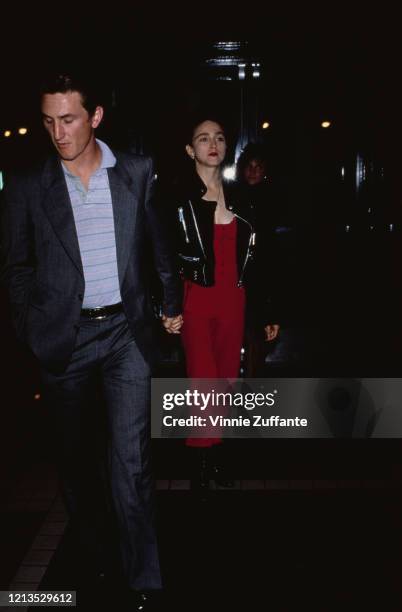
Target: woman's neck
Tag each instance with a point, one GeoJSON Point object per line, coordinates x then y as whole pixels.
{"type": "Point", "coordinates": [211, 177]}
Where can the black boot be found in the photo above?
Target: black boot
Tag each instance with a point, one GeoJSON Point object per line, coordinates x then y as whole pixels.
{"type": "Point", "coordinates": [199, 483]}
{"type": "Point", "coordinates": [218, 467]}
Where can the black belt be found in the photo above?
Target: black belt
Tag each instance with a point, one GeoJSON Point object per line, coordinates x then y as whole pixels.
{"type": "Point", "coordinates": [102, 311]}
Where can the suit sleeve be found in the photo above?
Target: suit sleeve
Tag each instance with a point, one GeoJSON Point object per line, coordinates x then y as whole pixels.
{"type": "Point", "coordinates": [17, 248]}
{"type": "Point", "coordinates": [163, 248]}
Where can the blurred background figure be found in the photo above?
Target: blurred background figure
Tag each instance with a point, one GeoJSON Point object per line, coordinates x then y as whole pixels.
{"type": "Point", "coordinates": [274, 269]}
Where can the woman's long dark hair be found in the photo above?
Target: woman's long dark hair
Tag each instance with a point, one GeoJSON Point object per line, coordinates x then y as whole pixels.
{"type": "Point", "coordinates": [252, 151]}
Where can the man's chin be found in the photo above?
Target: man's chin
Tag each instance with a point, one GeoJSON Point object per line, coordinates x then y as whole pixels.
{"type": "Point", "coordinates": [65, 156]}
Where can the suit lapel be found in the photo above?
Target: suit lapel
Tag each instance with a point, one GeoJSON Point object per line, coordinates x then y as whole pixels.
{"type": "Point", "coordinates": [125, 196]}
{"type": "Point", "coordinates": [57, 205]}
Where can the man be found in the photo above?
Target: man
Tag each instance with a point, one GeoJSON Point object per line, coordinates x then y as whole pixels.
{"type": "Point", "coordinates": [74, 236]}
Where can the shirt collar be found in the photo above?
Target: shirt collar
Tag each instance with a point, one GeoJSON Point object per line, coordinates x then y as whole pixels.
{"type": "Point", "coordinates": [108, 159]}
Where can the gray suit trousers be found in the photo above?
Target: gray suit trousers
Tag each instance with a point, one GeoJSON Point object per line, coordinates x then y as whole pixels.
{"type": "Point", "coordinates": [106, 351]}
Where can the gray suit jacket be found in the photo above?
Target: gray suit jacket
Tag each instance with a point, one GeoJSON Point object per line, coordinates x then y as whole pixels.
{"type": "Point", "coordinates": [42, 262]}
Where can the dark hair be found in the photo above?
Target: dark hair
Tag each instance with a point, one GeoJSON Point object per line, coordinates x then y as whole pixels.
{"type": "Point", "coordinates": [251, 151]}
{"type": "Point", "coordinates": [65, 82]}
{"type": "Point", "coordinates": [196, 120]}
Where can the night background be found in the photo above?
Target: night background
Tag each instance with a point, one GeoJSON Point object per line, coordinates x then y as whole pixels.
{"type": "Point", "coordinates": [339, 198]}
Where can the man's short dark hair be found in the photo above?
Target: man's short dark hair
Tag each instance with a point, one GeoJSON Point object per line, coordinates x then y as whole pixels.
{"type": "Point", "coordinates": [65, 82]}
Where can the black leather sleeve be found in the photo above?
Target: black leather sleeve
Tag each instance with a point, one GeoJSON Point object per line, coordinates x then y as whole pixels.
{"type": "Point", "coordinates": [163, 246]}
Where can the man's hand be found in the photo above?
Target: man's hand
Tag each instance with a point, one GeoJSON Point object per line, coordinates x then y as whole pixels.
{"type": "Point", "coordinates": [172, 324]}
{"type": "Point", "coordinates": [271, 332]}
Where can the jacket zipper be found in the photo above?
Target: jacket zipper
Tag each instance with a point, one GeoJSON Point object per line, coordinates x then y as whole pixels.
{"type": "Point", "coordinates": [199, 239]}
{"type": "Point", "coordinates": [188, 258]}
{"type": "Point", "coordinates": [251, 242]}
{"type": "Point", "coordinates": [183, 222]}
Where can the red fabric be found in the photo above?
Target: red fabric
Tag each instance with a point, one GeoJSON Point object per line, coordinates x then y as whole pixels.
{"type": "Point", "coordinates": [213, 329]}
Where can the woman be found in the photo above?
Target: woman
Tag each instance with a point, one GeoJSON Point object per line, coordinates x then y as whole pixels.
{"type": "Point", "coordinates": [216, 244]}
{"type": "Point", "coordinates": [269, 210]}
{"type": "Point", "coordinates": [254, 187]}
{"type": "Point", "coordinates": [276, 241]}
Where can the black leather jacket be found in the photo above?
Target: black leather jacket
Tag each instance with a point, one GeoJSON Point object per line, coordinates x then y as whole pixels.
{"type": "Point", "coordinates": [195, 232]}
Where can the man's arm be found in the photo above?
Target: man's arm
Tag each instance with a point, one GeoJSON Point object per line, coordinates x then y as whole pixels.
{"type": "Point", "coordinates": [17, 248]}
{"type": "Point", "coordinates": [164, 258]}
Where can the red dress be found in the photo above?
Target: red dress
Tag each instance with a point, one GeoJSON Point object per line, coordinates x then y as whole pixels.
{"type": "Point", "coordinates": [213, 329]}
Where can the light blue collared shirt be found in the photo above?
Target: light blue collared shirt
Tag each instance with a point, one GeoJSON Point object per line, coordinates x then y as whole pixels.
{"type": "Point", "coordinates": [94, 222]}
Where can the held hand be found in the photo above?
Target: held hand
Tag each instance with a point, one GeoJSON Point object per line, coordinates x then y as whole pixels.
{"type": "Point", "coordinates": [172, 324]}
{"type": "Point", "coordinates": [271, 332]}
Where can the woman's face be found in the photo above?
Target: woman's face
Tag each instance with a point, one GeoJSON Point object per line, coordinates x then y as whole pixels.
{"type": "Point", "coordinates": [208, 147]}
{"type": "Point", "coordinates": [254, 172]}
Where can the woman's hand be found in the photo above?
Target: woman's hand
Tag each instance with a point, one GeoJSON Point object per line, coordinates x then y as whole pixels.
{"type": "Point", "coordinates": [172, 324]}
{"type": "Point", "coordinates": [271, 332]}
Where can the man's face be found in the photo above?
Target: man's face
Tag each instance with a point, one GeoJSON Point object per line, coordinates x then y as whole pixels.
{"type": "Point", "coordinates": [254, 172]}
{"type": "Point", "coordinates": [68, 123]}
